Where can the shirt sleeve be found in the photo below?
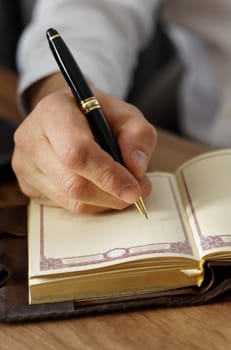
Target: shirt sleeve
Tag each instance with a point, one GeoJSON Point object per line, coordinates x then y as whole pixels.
{"type": "Point", "coordinates": [104, 36]}
{"type": "Point", "coordinates": [202, 32]}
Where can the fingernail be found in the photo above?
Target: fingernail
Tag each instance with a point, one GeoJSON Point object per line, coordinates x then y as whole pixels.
{"type": "Point", "coordinates": [140, 159]}
{"type": "Point", "coordinates": [129, 194]}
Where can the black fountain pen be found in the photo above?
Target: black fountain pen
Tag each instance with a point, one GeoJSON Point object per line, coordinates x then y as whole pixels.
{"type": "Point", "coordinates": [87, 102]}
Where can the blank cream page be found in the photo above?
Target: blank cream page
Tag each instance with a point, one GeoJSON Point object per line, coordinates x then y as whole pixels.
{"type": "Point", "coordinates": [60, 241]}
{"type": "Point", "coordinates": [206, 184]}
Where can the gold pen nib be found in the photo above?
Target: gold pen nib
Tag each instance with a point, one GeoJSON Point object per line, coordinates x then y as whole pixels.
{"type": "Point", "coordinates": [141, 207]}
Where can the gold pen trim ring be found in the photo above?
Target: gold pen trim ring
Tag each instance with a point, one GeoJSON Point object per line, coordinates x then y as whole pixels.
{"type": "Point", "coordinates": [54, 36]}
{"type": "Point", "coordinates": [89, 104]}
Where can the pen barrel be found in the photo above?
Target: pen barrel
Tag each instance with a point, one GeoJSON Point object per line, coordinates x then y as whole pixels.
{"type": "Point", "coordinates": [83, 94]}
{"type": "Point", "coordinates": [68, 66]}
{"type": "Point", "coordinates": [103, 134]}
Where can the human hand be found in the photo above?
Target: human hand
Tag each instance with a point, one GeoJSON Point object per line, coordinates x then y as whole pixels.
{"type": "Point", "coordinates": [57, 159]}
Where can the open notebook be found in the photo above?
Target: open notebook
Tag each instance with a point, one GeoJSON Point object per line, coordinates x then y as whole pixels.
{"type": "Point", "coordinates": [120, 253]}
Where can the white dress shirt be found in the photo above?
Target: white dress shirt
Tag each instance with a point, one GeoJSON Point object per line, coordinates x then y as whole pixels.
{"type": "Point", "coordinates": [106, 36]}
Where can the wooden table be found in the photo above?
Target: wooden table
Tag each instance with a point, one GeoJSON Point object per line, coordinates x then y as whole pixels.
{"type": "Point", "coordinates": [201, 327]}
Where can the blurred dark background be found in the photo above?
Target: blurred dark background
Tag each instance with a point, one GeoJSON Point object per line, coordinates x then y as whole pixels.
{"type": "Point", "coordinates": [10, 28]}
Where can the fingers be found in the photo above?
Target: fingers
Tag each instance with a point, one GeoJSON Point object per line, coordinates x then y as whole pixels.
{"type": "Point", "coordinates": [56, 197]}
{"type": "Point", "coordinates": [89, 161]}
{"type": "Point", "coordinates": [49, 178]}
{"type": "Point", "coordinates": [65, 188]}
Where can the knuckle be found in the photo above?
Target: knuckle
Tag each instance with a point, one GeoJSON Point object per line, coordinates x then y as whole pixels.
{"type": "Point", "coordinates": [72, 205]}
{"type": "Point", "coordinates": [82, 188]}
{"type": "Point", "coordinates": [107, 178]}
{"type": "Point", "coordinates": [69, 185]}
{"type": "Point", "coordinates": [75, 156]}
{"type": "Point", "coordinates": [74, 186]}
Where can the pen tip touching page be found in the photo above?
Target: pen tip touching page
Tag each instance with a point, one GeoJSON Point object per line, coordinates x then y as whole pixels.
{"type": "Point", "coordinates": [141, 207]}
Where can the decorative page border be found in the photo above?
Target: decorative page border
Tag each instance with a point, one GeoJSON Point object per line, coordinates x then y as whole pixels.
{"type": "Point", "coordinates": [207, 241]}
{"type": "Point", "coordinates": [49, 263]}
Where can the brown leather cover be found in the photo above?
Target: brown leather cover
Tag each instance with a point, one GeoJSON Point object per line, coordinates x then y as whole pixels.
{"type": "Point", "coordinates": [14, 305]}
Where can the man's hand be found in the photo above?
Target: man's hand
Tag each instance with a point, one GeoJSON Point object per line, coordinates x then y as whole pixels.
{"type": "Point", "coordinates": [57, 159]}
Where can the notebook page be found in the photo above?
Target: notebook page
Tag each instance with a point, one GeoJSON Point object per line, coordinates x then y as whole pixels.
{"type": "Point", "coordinates": [60, 241]}
{"type": "Point", "coordinates": [205, 180]}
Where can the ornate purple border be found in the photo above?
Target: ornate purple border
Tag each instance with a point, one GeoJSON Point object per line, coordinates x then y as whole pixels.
{"type": "Point", "coordinates": [48, 263]}
{"type": "Point", "coordinates": [209, 241]}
